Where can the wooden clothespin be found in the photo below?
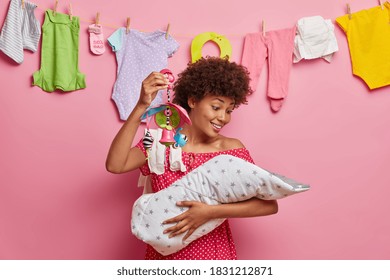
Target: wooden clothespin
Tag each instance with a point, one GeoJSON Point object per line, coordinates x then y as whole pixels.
{"type": "Point", "coordinates": [263, 27]}
{"type": "Point", "coordinates": [70, 11]}
{"type": "Point", "coordinates": [22, 4]}
{"type": "Point", "coordinates": [55, 7]}
{"type": "Point", "coordinates": [167, 32]}
{"type": "Point", "coordinates": [380, 3]}
{"type": "Point", "coordinates": [128, 25]}
{"type": "Point", "coordinates": [349, 11]}
{"type": "Point", "coordinates": [97, 18]}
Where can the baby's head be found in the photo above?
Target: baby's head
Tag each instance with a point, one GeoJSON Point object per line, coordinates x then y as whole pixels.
{"type": "Point", "coordinates": [212, 76]}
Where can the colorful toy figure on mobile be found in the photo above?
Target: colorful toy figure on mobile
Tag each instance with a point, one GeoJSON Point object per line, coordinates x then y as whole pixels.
{"type": "Point", "coordinates": [169, 117]}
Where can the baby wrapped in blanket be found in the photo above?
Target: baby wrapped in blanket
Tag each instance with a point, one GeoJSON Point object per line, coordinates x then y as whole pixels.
{"type": "Point", "coordinates": [223, 179]}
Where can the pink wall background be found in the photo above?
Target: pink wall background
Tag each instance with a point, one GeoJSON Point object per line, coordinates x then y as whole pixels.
{"type": "Point", "coordinates": [57, 201]}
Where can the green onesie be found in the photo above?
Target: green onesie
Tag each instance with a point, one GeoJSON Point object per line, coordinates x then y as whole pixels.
{"type": "Point", "coordinates": [59, 55]}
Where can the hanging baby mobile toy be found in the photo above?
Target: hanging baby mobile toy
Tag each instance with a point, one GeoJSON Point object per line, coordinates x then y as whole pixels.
{"type": "Point", "coordinates": [169, 117]}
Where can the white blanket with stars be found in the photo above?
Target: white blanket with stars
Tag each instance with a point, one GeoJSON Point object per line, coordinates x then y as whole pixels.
{"type": "Point", "coordinates": [223, 179]}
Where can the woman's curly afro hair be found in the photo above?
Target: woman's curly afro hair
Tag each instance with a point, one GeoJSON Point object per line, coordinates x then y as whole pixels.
{"type": "Point", "coordinates": [215, 76]}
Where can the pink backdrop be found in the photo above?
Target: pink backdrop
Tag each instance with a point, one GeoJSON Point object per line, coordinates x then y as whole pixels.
{"type": "Point", "coordinates": [57, 201]}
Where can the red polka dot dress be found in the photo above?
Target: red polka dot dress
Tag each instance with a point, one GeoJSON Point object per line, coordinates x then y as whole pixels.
{"type": "Point", "coordinates": [216, 245]}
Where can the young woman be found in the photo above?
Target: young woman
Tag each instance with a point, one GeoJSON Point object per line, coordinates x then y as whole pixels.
{"type": "Point", "coordinates": [209, 89]}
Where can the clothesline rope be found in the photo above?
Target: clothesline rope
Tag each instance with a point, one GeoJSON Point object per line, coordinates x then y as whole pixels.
{"type": "Point", "coordinates": [116, 27]}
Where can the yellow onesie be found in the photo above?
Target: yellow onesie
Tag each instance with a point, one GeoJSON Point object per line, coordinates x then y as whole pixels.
{"type": "Point", "coordinates": [368, 35]}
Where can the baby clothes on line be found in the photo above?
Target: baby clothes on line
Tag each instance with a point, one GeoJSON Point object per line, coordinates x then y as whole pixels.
{"type": "Point", "coordinates": [21, 30]}
{"type": "Point", "coordinates": [138, 54]}
{"type": "Point", "coordinates": [278, 47]}
{"type": "Point", "coordinates": [368, 35]}
{"type": "Point", "coordinates": [315, 38]}
{"type": "Point", "coordinates": [96, 39]}
{"type": "Point", "coordinates": [59, 54]}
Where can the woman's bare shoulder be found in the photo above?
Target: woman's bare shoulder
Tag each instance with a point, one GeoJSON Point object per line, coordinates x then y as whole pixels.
{"type": "Point", "coordinates": [231, 143]}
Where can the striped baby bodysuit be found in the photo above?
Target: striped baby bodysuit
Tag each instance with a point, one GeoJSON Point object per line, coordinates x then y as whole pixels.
{"type": "Point", "coordinates": [21, 30]}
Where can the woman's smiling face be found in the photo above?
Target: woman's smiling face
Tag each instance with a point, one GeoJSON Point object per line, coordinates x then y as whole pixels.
{"type": "Point", "coordinates": [211, 113]}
